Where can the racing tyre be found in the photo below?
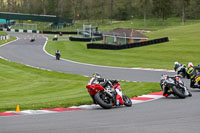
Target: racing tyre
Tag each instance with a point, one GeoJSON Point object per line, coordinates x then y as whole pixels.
{"type": "Point", "coordinates": [127, 101]}
{"type": "Point", "coordinates": [103, 100]}
{"type": "Point", "coordinates": [179, 92]}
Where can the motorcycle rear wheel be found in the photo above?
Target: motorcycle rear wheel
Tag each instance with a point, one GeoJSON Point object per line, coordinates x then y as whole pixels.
{"type": "Point", "coordinates": [178, 92]}
{"type": "Point", "coordinates": [57, 57]}
{"type": "Point", "coordinates": [103, 100]}
{"type": "Point", "coordinates": [127, 101]}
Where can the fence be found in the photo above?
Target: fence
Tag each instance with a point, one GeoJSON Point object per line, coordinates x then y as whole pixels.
{"type": "Point", "coordinates": [25, 26]}
{"type": "Point", "coordinates": [4, 37]}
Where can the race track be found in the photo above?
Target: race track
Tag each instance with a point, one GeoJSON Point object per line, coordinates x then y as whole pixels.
{"type": "Point", "coordinates": [161, 116]}
{"type": "Point", "coordinates": [31, 53]}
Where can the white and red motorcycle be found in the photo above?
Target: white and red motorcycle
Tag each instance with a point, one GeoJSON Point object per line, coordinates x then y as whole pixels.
{"type": "Point", "coordinates": [108, 94]}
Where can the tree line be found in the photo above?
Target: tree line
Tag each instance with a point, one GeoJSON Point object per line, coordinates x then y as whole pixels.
{"type": "Point", "coordinates": [106, 9]}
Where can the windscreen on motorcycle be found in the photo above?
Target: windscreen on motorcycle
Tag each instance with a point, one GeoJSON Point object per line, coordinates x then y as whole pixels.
{"type": "Point", "coordinates": [92, 81]}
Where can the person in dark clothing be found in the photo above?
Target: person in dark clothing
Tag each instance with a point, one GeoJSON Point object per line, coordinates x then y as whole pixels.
{"type": "Point", "coordinates": [180, 69]}
{"type": "Point", "coordinates": [97, 79]}
{"type": "Point", "coordinates": [192, 72]}
{"type": "Point", "coordinates": [57, 54]}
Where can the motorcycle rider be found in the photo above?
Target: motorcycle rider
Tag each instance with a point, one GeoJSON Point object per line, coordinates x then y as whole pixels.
{"type": "Point", "coordinates": [97, 79]}
{"type": "Point", "coordinates": [180, 69]}
{"type": "Point", "coordinates": [191, 73]}
{"type": "Point", "coordinates": [57, 54]}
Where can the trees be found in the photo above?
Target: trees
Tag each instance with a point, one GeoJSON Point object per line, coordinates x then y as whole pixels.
{"type": "Point", "coordinates": [102, 10]}
{"type": "Point", "coordinates": [111, 9]}
{"type": "Point", "coordinates": [183, 4]}
{"type": "Point", "coordinates": [194, 9]}
{"type": "Point", "coordinates": [106, 9]}
{"type": "Point", "coordinates": [162, 8]}
{"type": "Point", "coordinates": [146, 7]}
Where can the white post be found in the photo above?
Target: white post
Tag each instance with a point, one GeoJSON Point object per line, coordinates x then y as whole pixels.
{"type": "Point", "coordinates": [125, 37]}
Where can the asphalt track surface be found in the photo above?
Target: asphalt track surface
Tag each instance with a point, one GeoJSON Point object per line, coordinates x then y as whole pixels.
{"type": "Point", "coordinates": [170, 115]}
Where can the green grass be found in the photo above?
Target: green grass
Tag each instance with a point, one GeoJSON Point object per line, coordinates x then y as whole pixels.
{"type": "Point", "coordinates": [183, 47]}
{"type": "Point", "coordinates": [38, 89]}
{"type": "Point", "coordinates": [2, 33]}
{"type": "Point", "coordinates": [59, 37]}
{"type": "Point", "coordinates": [151, 24]}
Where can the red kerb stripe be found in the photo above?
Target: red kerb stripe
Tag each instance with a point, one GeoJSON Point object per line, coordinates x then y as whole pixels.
{"type": "Point", "coordinates": [142, 98]}
{"type": "Point", "coordinates": [8, 114]}
{"type": "Point", "coordinates": [156, 93]}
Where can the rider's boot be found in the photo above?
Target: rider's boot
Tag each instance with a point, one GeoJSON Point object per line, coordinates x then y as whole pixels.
{"type": "Point", "coordinates": [166, 95]}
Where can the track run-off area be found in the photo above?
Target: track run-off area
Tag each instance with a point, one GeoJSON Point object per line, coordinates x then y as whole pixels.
{"type": "Point", "coordinates": [169, 115]}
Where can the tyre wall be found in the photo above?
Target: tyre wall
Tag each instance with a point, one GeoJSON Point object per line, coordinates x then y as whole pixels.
{"type": "Point", "coordinates": [85, 39]}
{"type": "Point", "coordinates": [125, 46]}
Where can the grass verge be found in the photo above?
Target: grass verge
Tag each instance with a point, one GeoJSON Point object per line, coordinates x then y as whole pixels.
{"type": "Point", "coordinates": [2, 33]}
{"type": "Point", "coordinates": [38, 89]}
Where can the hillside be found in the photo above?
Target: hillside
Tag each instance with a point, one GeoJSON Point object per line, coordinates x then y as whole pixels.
{"type": "Point", "coordinates": [183, 47]}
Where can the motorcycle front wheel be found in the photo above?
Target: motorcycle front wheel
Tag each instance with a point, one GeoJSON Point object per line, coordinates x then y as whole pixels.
{"type": "Point", "coordinates": [103, 100]}
{"type": "Point", "coordinates": [127, 101]}
{"type": "Point", "coordinates": [179, 92]}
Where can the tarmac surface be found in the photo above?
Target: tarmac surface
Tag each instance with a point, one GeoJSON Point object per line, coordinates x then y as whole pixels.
{"type": "Point", "coordinates": [169, 115]}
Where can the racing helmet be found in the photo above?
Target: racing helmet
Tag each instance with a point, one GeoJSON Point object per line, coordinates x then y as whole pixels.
{"type": "Point", "coordinates": [190, 64]}
{"type": "Point", "coordinates": [96, 75]}
{"type": "Point", "coordinates": [177, 66]}
{"type": "Point", "coordinates": [176, 63]}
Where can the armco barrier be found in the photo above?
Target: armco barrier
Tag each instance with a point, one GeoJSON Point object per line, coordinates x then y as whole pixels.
{"type": "Point", "coordinates": [68, 32]}
{"type": "Point", "coordinates": [20, 30]}
{"type": "Point", "coordinates": [125, 46]}
{"type": "Point", "coordinates": [58, 32]}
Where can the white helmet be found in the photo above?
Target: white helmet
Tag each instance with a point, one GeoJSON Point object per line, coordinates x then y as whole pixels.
{"type": "Point", "coordinates": [190, 64]}
{"type": "Point", "coordinates": [176, 63]}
